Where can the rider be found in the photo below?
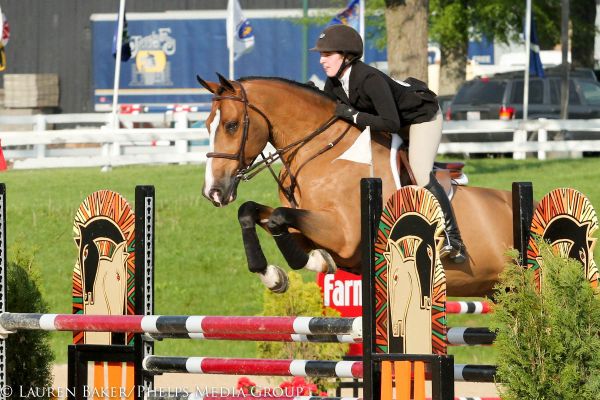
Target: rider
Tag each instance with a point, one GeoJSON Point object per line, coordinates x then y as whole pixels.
{"type": "Point", "coordinates": [368, 97]}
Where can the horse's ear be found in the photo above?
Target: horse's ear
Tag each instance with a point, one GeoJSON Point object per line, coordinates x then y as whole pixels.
{"type": "Point", "coordinates": [210, 86]}
{"type": "Point", "coordinates": [226, 84]}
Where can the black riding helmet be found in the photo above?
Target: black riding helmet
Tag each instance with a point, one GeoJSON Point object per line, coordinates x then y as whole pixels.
{"type": "Point", "coordinates": [341, 39]}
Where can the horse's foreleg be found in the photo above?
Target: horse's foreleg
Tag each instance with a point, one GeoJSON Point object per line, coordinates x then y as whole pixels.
{"type": "Point", "coordinates": [280, 221]}
{"type": "Point", "coordinates": [249, 215]}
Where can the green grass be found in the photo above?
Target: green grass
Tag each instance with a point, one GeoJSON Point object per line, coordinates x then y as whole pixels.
{"type": "Point", "coordinates": [200, 262]}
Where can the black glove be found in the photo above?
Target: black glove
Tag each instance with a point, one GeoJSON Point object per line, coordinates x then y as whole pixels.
{"type": "Point", "coordinates": [310, 83]}
{"type": "Point", "coordinates": [345, 111]}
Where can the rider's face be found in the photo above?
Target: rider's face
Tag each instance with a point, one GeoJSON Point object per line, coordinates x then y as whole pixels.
{"type": "Point", "coordinates": [331, 62]}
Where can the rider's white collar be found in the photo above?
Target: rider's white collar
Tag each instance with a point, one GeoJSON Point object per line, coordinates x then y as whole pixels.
{"type": "Point", "coordinates": [345, 80]}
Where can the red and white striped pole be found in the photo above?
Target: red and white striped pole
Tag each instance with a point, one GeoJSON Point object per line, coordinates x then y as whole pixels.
{"type": "Point", "coordinates": [10, 322]}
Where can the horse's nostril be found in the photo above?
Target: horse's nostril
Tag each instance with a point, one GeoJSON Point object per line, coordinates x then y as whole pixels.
{"type": "Point", "coordinates": [215, 195]}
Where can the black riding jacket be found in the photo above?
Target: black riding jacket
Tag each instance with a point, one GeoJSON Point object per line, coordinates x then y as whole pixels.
{"type": "Point", "coordinates": [383, 103]}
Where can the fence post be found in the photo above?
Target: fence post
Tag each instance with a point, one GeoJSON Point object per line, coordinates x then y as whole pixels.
{"type": "Point", "coordinates": [371, 205]}
{"type": "Point", "coordinates": [442, 378]}
{"type": "Point", "coordinates": [106, 146]}
{"type": "Point", "coordinates": [522, 204]}
{"type": "Point", "coordinates": [519, 137]}
{"type": "Point", "coordinates": [115, 147]}
{"type": "Point", "coordinates": [40, 126]}
{"type": "Point", "coordinates": [542, 138]}
{"type": "Point", "coordinates": [3, 283]}
{"type": "Point", "coordinates": [144, 281]}
{"type": "Point", "coordinates": [181, 123]}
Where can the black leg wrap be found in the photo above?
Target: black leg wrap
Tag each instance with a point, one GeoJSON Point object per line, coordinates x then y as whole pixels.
{"type": "Point", "coordinates": [254, 254]}
{"type": "Point", "coordinates": [293, 254]}
{"type": "Point", "coordinates": [247, 216]}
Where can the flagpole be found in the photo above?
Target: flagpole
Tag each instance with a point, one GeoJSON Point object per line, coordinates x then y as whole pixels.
{"type": "Point", "coordinates": [304, 41]}
{"type": "Point", "coordinates": [230, 26]}
{"type": "Point", "coordinates": [115, 118]}
{"type": "Point", "coordinates": [361, 24]}
{"type": "Point", "coordinates": [527, 60]}
{"type": "Point", "coordinates": [231, 61]}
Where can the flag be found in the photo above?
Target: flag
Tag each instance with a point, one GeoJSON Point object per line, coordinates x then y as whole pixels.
{"type": "Point", "coordinates": [348, 16]}
{"type": "Point", "coordinates": [125, 44]}
{"type": "Point", "coordinates": [2, 160]}
{"type": "Point", "coordinates": [5, 31]}
{"type": "Point", "coordinates": [4, 37]}
{"type": "Point", "coordinates": [535, 62]}
{"type": "Point", "coordinates": [240, 34]}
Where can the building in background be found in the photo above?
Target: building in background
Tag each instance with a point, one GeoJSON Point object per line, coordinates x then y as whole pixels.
{"type": "Point", "coordinates": [61, 37]}
{"type": "Point", "coordinates": [56, 36]}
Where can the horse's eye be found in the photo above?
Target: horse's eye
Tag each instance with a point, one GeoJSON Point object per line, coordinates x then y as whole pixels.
{"type": "Point", "coordinates": [231, 126]}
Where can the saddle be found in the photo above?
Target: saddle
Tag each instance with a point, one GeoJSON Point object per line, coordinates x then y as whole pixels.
{"type": "Point", "coordinates": [447, 173]}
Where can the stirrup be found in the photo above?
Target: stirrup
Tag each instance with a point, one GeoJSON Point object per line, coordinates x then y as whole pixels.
{"type": "Point", "coordinates": [446, 250]}
{"type": "Point", "coordinates": [457, 255]}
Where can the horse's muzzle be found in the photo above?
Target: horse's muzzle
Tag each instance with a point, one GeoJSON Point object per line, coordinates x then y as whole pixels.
{"type": "Point", "coordinates": [222, 196]}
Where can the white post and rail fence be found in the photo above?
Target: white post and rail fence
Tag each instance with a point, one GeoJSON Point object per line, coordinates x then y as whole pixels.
{"type": "Point", "coordinates": [87, 140]}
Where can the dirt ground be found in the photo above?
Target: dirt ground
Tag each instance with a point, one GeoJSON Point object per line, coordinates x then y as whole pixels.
{"type": "Point", "coordinates": [193, 382]}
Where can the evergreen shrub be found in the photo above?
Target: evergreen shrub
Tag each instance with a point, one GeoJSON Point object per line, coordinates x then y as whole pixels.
{"type": "Point", "coordinates": [548, 344]}
{"type": "Point", "coordinates": [29, 356]}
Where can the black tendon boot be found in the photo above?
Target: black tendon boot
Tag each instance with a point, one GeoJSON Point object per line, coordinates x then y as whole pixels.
{"type": "Point", "coordinates": [454, 247]}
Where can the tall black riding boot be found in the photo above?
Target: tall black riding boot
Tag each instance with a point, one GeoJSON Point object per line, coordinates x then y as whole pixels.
{"type": "Point", "coordinates": [454, 247]}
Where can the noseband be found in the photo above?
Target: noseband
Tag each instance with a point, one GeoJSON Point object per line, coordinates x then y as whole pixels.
{"type": "Point", "coordinates": [248, 171]}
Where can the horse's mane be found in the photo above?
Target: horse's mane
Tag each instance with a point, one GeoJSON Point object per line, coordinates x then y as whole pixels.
{"type": "Point", "coordinates": [311, 88]}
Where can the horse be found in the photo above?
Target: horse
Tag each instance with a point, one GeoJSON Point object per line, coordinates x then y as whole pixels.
{"type": "Point", "coordinates": [317, 225]}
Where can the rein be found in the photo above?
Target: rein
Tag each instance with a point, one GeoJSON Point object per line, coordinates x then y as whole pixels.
{"type": "Point", "coordinates": [249, 171]}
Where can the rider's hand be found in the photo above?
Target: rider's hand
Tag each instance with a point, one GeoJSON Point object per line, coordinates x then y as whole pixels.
{"type": "Point", "coordinates": [345, 111]}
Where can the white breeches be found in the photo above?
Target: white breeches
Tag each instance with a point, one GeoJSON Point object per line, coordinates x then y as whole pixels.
{"type": "Point", "coordinates": [424, 139]}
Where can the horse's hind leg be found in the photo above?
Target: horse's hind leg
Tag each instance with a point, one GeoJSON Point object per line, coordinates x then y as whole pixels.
{"type": "Point", "coordinates": [250, 214]}
{"type": "Point", "coordinates": [280, 221]}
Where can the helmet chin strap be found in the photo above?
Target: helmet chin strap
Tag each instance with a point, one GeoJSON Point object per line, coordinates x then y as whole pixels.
{"type": "Point", "coordinates": [348, 60]}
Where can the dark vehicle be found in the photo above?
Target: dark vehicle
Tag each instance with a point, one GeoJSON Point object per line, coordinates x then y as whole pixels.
{"type": "Point", "coordinates": [501, 97]}
{"type": "Point", "coordinates": [445, 102]}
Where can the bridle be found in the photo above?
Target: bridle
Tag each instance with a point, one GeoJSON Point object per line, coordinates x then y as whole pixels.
{"type": "Point", "coordinates": [240, 155]}
{"type": "Point", "coordinates": [246, 172]}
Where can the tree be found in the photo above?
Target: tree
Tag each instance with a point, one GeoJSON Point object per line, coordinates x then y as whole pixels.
{"type": "Point", "coordinates": [583, 22]}
{"type": "Point", "coordinates": [450, 29]}
{"type": "Point", "coordinates": [407, 38]}
{"type": "Point", "coordinates": [453, 22]}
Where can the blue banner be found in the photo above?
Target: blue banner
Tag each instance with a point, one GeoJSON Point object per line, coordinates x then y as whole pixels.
{"type": "Point", "coordinates": [481, 51]}
{"type": "Point", "coordinates": [168, 53]}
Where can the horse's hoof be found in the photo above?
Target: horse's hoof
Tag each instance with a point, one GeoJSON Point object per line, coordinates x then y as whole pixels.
{"type": "Point", "coordinates": [275, 279]}
{"type": "Point", "coordinates": [319, 260]}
